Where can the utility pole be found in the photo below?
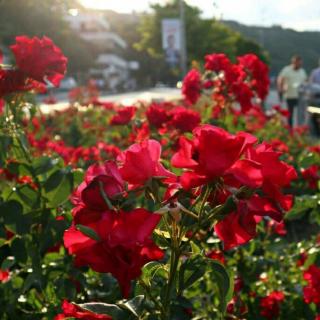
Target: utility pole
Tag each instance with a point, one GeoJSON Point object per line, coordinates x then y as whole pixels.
{"type": "Point", "coordinates": [183, 45]}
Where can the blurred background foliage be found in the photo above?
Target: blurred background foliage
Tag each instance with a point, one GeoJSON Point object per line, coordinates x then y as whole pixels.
{"type": "Point", "coordinates": [142, 33]}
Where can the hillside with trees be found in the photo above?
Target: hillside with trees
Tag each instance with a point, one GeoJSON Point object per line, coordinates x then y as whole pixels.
{"type": "Point", "coordinates": [282, 43]}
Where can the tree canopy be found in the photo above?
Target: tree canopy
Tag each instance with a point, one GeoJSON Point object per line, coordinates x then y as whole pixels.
{"type": "Point", "coordinates": [203, 36]}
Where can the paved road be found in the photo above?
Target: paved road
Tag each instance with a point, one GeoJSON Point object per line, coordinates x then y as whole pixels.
{"type": "Point", "coordinates": [153, 94]}
{"type": "Point", "coordinates": [272, 99]}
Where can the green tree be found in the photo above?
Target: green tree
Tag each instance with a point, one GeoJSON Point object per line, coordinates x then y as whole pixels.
{"type": "Point", "coordinates": [203, 36]}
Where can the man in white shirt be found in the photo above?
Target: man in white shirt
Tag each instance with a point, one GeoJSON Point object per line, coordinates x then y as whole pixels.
{"type": "Point", "coordinates": [289, 81]}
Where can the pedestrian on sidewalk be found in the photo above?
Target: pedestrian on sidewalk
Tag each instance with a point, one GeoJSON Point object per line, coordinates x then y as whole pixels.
{"type": "Point", "coordinates": [290, 79]}
{"type": "Point", "coordinates": [315, 75]}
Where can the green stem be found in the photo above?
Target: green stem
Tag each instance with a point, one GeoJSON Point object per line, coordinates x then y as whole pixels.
{"type": "Point", "coordinates": [204, 200]}
{"type": "Point", "coordinates": [201, 223]}
{"type": "Point", "coordinates": [29, 160]}
{"type": "Point", "coordinates": [16, 133]}
{"type": "Point", "coordinates": [174, 262]}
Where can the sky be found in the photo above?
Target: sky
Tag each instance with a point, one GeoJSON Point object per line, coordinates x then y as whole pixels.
{"type": "Point", "coordinates": [296, 14]}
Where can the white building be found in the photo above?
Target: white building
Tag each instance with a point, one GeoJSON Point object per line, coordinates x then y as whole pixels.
{"type": "Point", "coordinates": [110, 65]}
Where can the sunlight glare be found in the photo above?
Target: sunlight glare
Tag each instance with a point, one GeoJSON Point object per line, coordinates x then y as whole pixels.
{"type": "Point", "coordinates": [124, 6]}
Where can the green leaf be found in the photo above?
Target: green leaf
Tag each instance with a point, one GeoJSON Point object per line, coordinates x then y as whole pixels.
{"type": "Point", "coordinates": [301, 206]}
{"type": "Point", "coordinates": [122, 311]}
{"type": "Point", "coordinates": [29, 282]}
{"type": "Point", "coordinates": [222, 279]}
{"type": "Point", "coordinates": [28, 195]}
{"type": "Point", "coordinates": [2, 242]}
{"type": "Point", "coordinates": [58, 187]}
{"type": "Point", "coordinates": [8, 263]}
{"type": "Point", "coordinates": [134, 305]}
{"type": "Point", "coordinates": [195, 248]}
{"type": "Point", "coordinates": [19, 250]}
{"type": "Point", "coordinates": [88, 232]}
{"type": "Point", "coordinates": [104, 308]}
{"type": "Point", "coordinates": [43, 165]}
{"type": "Point", "coordinates": [15, 168]}
{"type": "Point", "coordinates": [11, 211]}
{"type": "Point", "coordinates": [5, 142]}
{"type": "Point", "coordinates": [192, 270]}
{"type": "Point", "coordinates": [229, 295]}
{"type": "Point", "coordinates": [150, 269]}
{"type": "Point", "coordinates": [2, 229]}
{"type": "Point", "coordinates": [78, 176]}
{"type": "Point", "coordinates": [13, 217]}
{"type": "Point", "coordinates": [308, 160]}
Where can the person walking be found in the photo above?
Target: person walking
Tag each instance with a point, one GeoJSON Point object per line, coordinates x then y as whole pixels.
{"type": "Point", "coordinates": [315, 75]}
{"type": "Point", "coordinates": [289, 81]}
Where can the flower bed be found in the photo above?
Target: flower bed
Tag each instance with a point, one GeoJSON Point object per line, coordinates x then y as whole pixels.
{"type": "Point", "coordinates": [203, 209]}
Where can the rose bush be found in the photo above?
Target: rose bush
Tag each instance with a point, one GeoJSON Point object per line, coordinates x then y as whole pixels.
{"type": "Point", "coordinates": [204, 208]}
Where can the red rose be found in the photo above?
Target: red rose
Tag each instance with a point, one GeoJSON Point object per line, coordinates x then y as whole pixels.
{"type": "Point", "coordinates": [105, 176]}
{"type": "Point", "coordinates": [283, 112]}
{"type": "Point", "coordinates": [39, 59]}
{"type": "Point", "coordinates": [12, 81]}
{"type": "Point", "coordinates": [234, 74]}
{"type": "Point", "coordinates": [237, 228]}
{"type": "Point", "coordinates": [215, 153]}
{"type": "Point", "coordinates": [4, 275]}
{"type": "Point", "coordinates": [220, 63]}
{"type": "Point", "coordinates": [243, 95]}
{"type": "Point", "coordinates": [259, 73]}
{"type": "Point", "coordinates": [157, 115]}
{"type": "Point", "coordinates": [210, 154]}
{"type": "Point", "coordinates": [302, 259]}
{"type": "Point", "coordinates": [278, 228]}
{"type": "Point", "coordinates": [185, 120]}
{"type": "Point", "coordinates": [270, 305]}
{"type": "Point", "coordinates": [311, 291]}
{"type": "Point", "coordinates": [1, 106]}
{"type": "Point", "coordinates": [217, 62]}
{"type": "Point", "coordinates": [276, 174]}
{"type": "Point", "coordinates": [141, 162]}
{"type": "Point", "coordinates": [279, 145]}
{"type": "Point", "coordinates": [123, 116]}
{"type": "Point", "coordinates": [312, 176]}
{"type": "Point", "coordinates": [74, 311]}
{"type": "Point", "coordinates": [191, 87]}
{"type": "Point", "coordinates": [238, 284]}
{"type": "Point", "coordinates": [139, 132]}
{"type": "Point", "coordinates": [247, 172]}
{"type": "Point", "coordinates": [216, 255]}
{"type": "Point", "coordinates": [125, 245]}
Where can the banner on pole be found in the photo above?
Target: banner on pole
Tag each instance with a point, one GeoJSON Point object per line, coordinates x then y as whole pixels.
{"type": "Point", "coordinates": [171, 41]}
